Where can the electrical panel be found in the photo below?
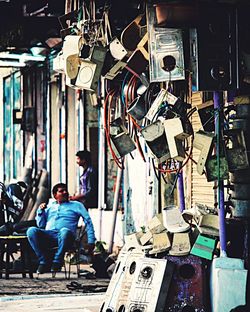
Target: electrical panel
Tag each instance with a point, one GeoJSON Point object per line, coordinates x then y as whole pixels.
{"type": "Point", "coordinates": [166, 61]}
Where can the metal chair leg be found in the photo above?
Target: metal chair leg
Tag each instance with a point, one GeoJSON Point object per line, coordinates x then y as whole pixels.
{"type": "Point", "coordinates": [69, 270]}
{"type": "Point", "coordinates": [65, 270]}
{"type": "Point", "coordinates": [67, 261]}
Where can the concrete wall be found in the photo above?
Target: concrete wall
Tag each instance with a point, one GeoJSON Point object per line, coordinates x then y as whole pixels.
{"type": "Point", "coordinates": [105, 229]}
{"type": "Point", "coordinates": [140, 192]}
{"type": "Point", "coordinates": [55, 151]}
{"type": "Point", "coordinates": [71, 142]}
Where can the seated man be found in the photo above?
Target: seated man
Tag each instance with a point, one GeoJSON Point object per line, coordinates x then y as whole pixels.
{"type": "Point", "coordinates": [57, 225]}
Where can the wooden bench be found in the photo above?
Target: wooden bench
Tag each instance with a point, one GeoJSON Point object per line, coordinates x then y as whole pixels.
{"type": "Point", "coordinates": [6, 248]}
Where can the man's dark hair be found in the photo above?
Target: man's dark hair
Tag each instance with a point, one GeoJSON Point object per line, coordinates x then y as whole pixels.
{"type": "Point", "coordinates": [84, 155]}
{"type": "Point", "coordinates": [57, 186]}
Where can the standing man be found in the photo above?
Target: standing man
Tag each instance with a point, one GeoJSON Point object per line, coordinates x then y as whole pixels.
{"type": "Point", "coordinates": [57, 226]}
{"type": "Point", "coordinates": [88, 181]}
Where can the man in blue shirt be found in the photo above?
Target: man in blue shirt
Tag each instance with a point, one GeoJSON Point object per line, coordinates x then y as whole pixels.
{"type": "Point", "coordinates": [88, 194]}
{"type": "Point", "coordinates": [57, 224]}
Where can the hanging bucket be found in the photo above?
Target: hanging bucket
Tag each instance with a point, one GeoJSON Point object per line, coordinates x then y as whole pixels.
{"type": "Point", "coordinates": [137, 109]}
{"type": "Point", "coordinates": [240, 176]}
{"type": "Point", "coordinates": [241, 191]}
{"type": "Point", "coordinates": [241, 208]}
{"type": "Point", "coordinates": [243, 111]}
{"type": "Point", "coordinates": [155, 137]}
{"type": "Point", "coordinates": [237, 155]}
{"type": "Point", "coordinates": [242, 124]}
{"type": "Point", "coordinates": [123, 144]}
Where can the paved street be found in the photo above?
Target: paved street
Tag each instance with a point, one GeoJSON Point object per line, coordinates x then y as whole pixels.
{"type": "Point", "coordinates": [49, 303]}
{"type": "Point", "coordinates": [45, 294]}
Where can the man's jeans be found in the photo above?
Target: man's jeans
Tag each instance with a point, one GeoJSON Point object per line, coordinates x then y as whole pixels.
{"type": "Point", "coordinates": [43, 241]}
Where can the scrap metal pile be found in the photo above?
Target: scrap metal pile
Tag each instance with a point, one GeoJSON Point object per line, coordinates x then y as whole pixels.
{"type": "Point", "coordinates": [166, 267]}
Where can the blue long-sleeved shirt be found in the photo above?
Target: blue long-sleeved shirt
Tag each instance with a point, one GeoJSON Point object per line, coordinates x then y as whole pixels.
{"type": "Point", "coordinates": [56, 216]}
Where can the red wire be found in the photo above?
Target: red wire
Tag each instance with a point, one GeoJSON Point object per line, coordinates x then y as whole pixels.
{"type": "Point", "coordinates": [118, 161]}
{"type": "Point", "coordinates": [133, 85]}
{"type": "Point", "coordinates": [131, 89]}
{"type": "Point", "coordinates": [139, 147]}
{"type": "Point", "coordinates": [132, 71]}
{"type": "Point", "coordinates": [135, 123]}
{"type": "Point", "coordinates": [128, 99]}
{"type": "Point", "coordinates": [177, 169]}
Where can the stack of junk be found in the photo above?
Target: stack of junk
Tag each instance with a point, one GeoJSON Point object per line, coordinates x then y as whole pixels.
{"type": "Point", "coordinates": [174, 264]}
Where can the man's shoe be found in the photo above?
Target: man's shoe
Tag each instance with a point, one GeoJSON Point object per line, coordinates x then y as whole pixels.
{"type": "Point", "coordinates": [56, 267]}
{"type": "Point", "coordinates": [42, 268]}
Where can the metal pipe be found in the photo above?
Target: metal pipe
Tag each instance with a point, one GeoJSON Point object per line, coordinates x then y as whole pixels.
{"type": "Point", "coordinates": [181, 191]}
{"type": "Point", "coordinates": [220, 190]}
{"type": "Point", "coordinates": [101, 172]}
{"type": "Point", "coordinates": [115, 207]}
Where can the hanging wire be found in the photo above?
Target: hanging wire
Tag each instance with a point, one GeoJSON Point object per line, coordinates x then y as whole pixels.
{"type": "Point", "coordinates": [157, 174]}
{"type": "Point", "coordinates": [191, 112]}
{"type": "Point", "coordinates": [132, 71]}
{"type": "Point", "coordinates": [164, 178]}
{"type": "Point", "coordinates": [128, 93]}
{"type": "Point", "coordinates": [122, 88]}
{"type": "Point", "coordinates": [139, 146]}
{"type": "Point", "coordinates": [132, 124]}
{"type": "Point", "coordinates": [106, 123]}
{"type": "Point", "coordinates": [189, 154]}
{"type": "Point", "coordinates": [210, 119]}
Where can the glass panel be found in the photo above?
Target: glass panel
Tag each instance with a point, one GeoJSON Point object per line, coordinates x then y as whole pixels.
{"type": "Point", "coordinates": [7, 139]}
{"type": "Point", "coordinates": [17, 136]}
